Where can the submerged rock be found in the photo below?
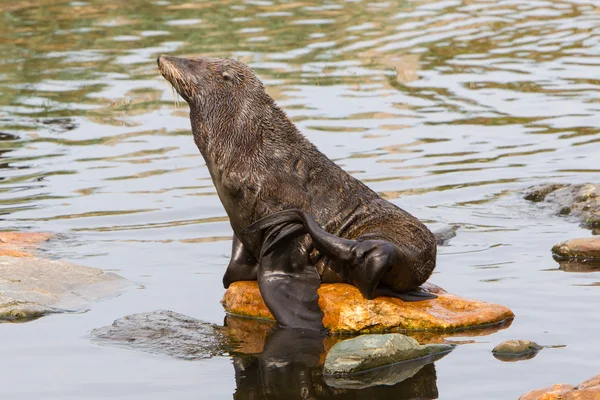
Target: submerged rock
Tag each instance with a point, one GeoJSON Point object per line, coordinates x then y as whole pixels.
{"type": "Point", "coordinates": [587, 390]}
{"type": "Point", "coordinates": [515, 350]}
{"type": "Point", "coordinates": [347, 311]}
{"type": "Point", "coordinates": [368, 352]}
{"type": "Point", "coordinates": [31, 287]}
{"type": "Point", "coordinates": [165, 332]}
{"type": "Point", "coordinates": [580, 201]}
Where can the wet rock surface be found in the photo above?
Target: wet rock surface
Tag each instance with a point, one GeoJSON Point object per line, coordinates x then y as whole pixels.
{"type": "Point", "coordinates": [165, 332]}
{"type": "Point", "coordinates": [587, 390]}
{"type": "Point", "coordinates": [578, 255]}
{"type": "Point", "coordinates": [579, 201]}
{"type": "Point", "coordinates": [515, 350]}
{"type": "Point", "coordinates": [21, 244]}
{"type": "Point", "coordinates": [31, 287]}
{"type": "Point", "coordinates": [347, 311]}
{"type": "Point", "coordinates": [368, 352]}
{"type": "Point", "coordinates": [578, 249]}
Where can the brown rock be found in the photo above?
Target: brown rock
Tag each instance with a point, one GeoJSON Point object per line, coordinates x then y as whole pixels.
{"type": "Point", "coordinates": [346, 310]}
{"type": "Point", "coordinates": [588, 390]}
{"type": "Point", "coordinates": [578, 249]}
{"type": "Point", "coordinates": [19, 244]}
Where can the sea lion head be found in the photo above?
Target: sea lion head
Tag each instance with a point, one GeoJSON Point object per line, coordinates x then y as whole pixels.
{"type": "Point", "coordinates": [219, 87]}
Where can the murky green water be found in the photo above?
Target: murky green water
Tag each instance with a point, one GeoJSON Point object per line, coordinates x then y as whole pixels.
{"type": "Point", "coordinates": [447, 108]}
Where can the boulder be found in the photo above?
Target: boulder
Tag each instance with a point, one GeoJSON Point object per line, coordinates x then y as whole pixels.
{"type": "Point", "coordinates": [587, 390]}
{"type": "Point", "coordinates": [580, 201]}
{"type": "Point", "coordinates": [367, 352]}
{"type": "Point", "coordinates": [31, 287]}
{"type": "Point", "coordinates": [347, 311]}
{"type": "Point", "coordinates": [515, 350]}
{"type": "Point", "coordinates": [165, 332]}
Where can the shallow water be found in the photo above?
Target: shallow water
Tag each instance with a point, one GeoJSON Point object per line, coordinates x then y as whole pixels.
{"type": "Point", "coordinates": [447, 108]}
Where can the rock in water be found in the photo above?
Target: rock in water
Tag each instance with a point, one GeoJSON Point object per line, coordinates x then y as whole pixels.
{"type": "Point", "coordinates": [580, 201]}
{"type": "Point", "coordinates": [368, 352]}
{"type": "Point", "coordinates": [31, 287]}
{"type": "Point", "coordinates": [587, 390]}
{"type": "Point", "coordinates": [347, 311]}
{"type": "Point", "coordinates": [165, 332]}
{"type": "Point", "coordinates": [578, 249]}
{"type": "Point", "coordinates": [515, 350]}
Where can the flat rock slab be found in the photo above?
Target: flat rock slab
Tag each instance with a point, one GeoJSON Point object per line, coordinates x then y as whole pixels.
{"type": "Point", "coordinates": [31, 287]}
{"type": "Point", "coordinates": [347, 311]}
{"type": "Point", "coordinates": [369, 352]}
{"type": "Point", "coordinates": [587, 390]}
{"type": "Point", "coordinates": [580, 201]}
{"type": "Point", "coordinates": [165, 332]}
{"type": "Point", "coordinates": [21, 244]}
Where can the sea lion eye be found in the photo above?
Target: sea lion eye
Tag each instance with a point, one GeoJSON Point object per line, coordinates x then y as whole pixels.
{"type": "Point", "coordinates": [226, 76]}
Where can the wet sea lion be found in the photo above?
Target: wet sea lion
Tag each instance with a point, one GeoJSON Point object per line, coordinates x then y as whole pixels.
{"type": "Point", "coordinates": [298, 218]}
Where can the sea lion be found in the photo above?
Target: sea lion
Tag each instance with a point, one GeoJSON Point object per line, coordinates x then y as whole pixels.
{"type": "Point", "coordinates": [298, 218]}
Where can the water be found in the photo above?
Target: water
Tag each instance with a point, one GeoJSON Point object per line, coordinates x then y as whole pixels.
{"type": "Point", "coordinates": [447, 108]}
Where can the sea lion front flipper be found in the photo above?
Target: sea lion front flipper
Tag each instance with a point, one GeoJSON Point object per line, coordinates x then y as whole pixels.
{"type": "Point", "coordinates": [242, 266]}
{"type": "Point", "coordinates": [417, 294]}
{"type": "Point", "coordinates": [288, 282]}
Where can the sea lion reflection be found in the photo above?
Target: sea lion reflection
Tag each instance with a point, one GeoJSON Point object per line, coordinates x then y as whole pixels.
{"type": "Point", "coordinates": [290, 368]}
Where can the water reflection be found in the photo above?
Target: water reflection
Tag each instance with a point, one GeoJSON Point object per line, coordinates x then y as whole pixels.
{"type": "Point", "coordinates": [289, 368]}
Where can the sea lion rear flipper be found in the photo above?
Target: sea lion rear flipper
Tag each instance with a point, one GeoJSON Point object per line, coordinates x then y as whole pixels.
{"type": "Point", "coordinates": [288, 282]}
{"type": "Point", "coordinates": [242, 266]}
{"type": "Point", "coordinates": [414, 295]}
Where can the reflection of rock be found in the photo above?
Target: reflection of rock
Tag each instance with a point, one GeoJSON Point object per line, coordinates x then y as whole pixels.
{"type": "Point", "coordinates": [368, 352]}
{"type": "Point", "coordinates": [578, 249]}
{"type": "Point", "coordinates": [31, 287]}
{"type": "Point", "coordinates": [587, 390]}
{"type": "Point", "coordinates": [346, 310]}
{"type": "Point", "coordinates": [580, 266]}
{"type": "Point", "coordinates": [20, 244]}
{"type": "Point", "coordinates": [289, 369]}
{"type": "Point", "coordinates": [580, 201]}
{"type": "Point", "coordinates": [165, 332]}
{"type": "Point", "coordinates": [515, 350]}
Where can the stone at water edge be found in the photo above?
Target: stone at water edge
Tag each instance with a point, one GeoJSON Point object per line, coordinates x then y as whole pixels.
{"type": "Point", "coordinates": [515, 350]}
{"type": "Point", "coordinates": [587, 390]}
{"type": "Point", "coordinates": [368, 352]}
{"type": "Point", "coordinates": [31, 287]}
{"type": "Point", "coordinates": [580, 201]}
{"type": "Point", "coordinates": [578, 249]}
{"type": "Point", "coordinates": [347, 311]}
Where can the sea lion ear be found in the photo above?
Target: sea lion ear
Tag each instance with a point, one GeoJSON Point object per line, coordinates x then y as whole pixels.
{"type": "Point", "coordinates": [227, 76]}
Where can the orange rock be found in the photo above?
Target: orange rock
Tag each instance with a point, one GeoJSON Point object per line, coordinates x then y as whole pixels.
{"type": "Point", "coordinates": [588, 390]}
{"type": "Point", "coordinates": [347, 311]}
{"type": "Point", "coordinates": [586, 248]}
{"type": "Point", "coordinates": [13, 244]}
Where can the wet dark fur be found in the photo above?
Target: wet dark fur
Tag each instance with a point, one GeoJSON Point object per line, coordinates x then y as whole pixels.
{"type": "Point", "coordinates": [260, 164]}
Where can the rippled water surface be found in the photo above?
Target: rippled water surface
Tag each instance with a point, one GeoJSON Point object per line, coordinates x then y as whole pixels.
{"type": "Point", "coordinates": [447, 108]}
